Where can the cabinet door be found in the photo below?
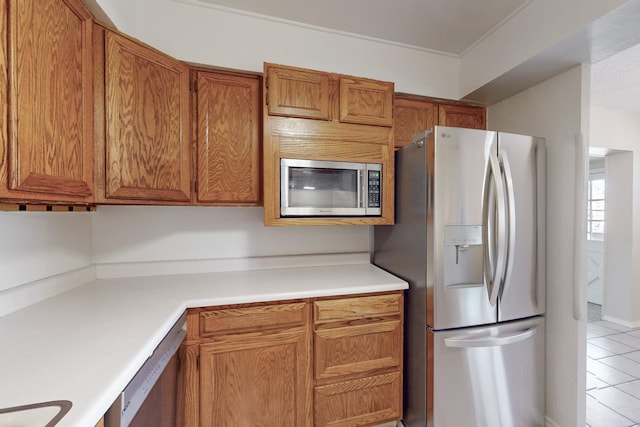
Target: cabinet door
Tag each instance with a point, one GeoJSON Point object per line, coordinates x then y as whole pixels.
{"type": "Point", "coordinates": [50, 123]}
{"type": "Point", "coordinates": [462, 117]}
{"type": "Point", "coordinates": [412, 117]}
{"type": "Point", "coordinates": [366, 102]}
{"type": "Point", "coordinates": [297, 92]}
{"type": "Point", "coordinates": [259, 382]}
{"type": "Point", "coordinates": [228, 138]}
{"type": "Point", "coordinates": [147, 123]}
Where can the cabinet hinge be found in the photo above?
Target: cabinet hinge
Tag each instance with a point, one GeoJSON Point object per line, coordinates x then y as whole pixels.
{"type": "Point", "coordinates": [266, 82]}
{"type": "Point", "coordinates": [198, 362]}
{"type": "Point", "coordinates": [195, 187]}
{"type": "Point", "coordinates": [266, 98]}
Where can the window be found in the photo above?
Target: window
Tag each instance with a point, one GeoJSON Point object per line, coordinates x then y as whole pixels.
{"type": "Point", "coordinates": [595, 206]}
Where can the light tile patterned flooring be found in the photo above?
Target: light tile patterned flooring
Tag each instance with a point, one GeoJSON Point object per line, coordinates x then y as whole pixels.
{"type": "Point", "coordinates": [613, 375]}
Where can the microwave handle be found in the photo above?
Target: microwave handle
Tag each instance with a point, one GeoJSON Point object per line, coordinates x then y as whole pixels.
{"type": "Point", "coordinates": [361, 189]}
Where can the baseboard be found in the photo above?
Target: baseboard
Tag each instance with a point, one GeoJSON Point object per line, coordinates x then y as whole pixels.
{"type": "Point", "coordinates": [14, 299]}
{"type": "Point", "coordinates": [621, 322]}
{"type": "Point", "coordinates": [155, 268]}
{"type": "Point", "coordinates": [550, 423]}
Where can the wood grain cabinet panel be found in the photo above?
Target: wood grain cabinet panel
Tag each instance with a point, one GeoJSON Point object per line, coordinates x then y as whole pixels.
{"type": "Point", "coordinates": [47, 71]}
{"type": "Point", "coordinates": [229, 119]}
{"type": "Point", "coordinates": [243, 319]}
{"type": "Point", "coordinates": [247, 365]}
{"type": "Point", "coordinates": [358, 360]}
{"type": "Point", "coordinates": [412, 117]}
{"type": "Point", "coordinates": [256, 382]}
{"type": "Point", "coordinates": [362, 402]}
{"type": "Point", "coordinates": [297, 92]}
{"type": "Point", "coordinates": [367, 102]}
{"type": "Point", "coordinates": [357, 349]}
{"type": "Point", "coordinates": [345, 309]}
{"type": "Point", "coordinates": [462, 116]}
{"type": "Point", "coordinates": [146, 141]}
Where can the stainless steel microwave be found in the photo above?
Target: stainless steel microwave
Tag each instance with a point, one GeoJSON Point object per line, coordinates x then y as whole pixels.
{"type": "Point", "coordinates": [327, 188]}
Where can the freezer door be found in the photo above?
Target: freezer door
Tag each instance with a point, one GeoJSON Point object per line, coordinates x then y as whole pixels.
{"type": "Point", "coordinates": [487, 377]}
{"type": "Point", "coordinates": [459, 296]}
{"type": "Point", "coordinates": [522, 160]}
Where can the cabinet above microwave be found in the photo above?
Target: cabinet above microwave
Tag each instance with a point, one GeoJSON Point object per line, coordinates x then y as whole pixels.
{"type": "Point", "coordinates": [318, 116]}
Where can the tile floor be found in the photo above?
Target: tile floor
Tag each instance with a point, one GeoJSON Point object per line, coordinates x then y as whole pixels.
{"type": "Point", "coordinates": [613, 375]}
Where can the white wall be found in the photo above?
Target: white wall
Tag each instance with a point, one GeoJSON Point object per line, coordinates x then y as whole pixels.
{"type": "Point", "coordinates": [620, 130]}
{"type": "Point", "coordinates": [538, 26]}
{"type": "Point", "coordinates": [557, 110]}
{"type": "Point", "coordinates": [196, 32]}
{"type": "Point", "coordinates": [618, 287]}
{"type": "Point", "coordinates": [153, 233]}
{"type": "Point", "coordinates": [36, 246]}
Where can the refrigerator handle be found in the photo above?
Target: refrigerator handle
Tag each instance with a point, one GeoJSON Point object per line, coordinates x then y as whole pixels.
{"type": "Point", "coordinates": [510, 210]}
{"type": "Point", "coordinates": [491, 341]}
{"type": "Point", "coordinates": [494, 265]}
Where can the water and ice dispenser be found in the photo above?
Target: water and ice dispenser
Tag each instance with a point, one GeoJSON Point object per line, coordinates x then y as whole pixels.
{"type": "Point", "coordinates": [463, 255]}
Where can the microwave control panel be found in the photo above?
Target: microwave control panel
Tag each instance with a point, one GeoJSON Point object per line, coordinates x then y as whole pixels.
{"type": "Point", "coordinates": [374, 189]}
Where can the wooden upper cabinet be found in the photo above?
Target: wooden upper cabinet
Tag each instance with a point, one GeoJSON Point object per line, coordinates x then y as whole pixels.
{"type": "Point", "coordinates": [462, 116]}
{"type": "Point", "coordinates": [228, 140]}
{"type": "Point", "coordinates": [297, 92]}
{"type": "Point", "coordinates": [367, 102]}
{"type": "Point", "coordinates": [145, 147]}
{"type": "Point", "coordinates": [411, 118]}
{"type": "Point", "coordinates": [46, 73]}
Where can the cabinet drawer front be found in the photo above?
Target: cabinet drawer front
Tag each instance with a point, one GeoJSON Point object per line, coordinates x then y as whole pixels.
{"type": "Point", "coordinates": [357, 349]}
{"type": "Point", "coordinates": [357, 308]}
{"type": "Point", "coordinates": [366, 401]}
{"type": "Point", "coordinates": [254, 318]}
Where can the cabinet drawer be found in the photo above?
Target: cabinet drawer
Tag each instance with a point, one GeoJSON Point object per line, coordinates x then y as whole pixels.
{"type": "Point", "coordinates": [357, 308]}
{"type": "Point", "coordinates": [271, 316]}
{"type": "Point", "coordinates": [366, 401]}
{"type": "Point", "coordinates": [357, 349]}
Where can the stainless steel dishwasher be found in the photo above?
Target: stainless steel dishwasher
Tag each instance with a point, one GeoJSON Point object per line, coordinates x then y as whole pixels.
{"type": "Point", "coordinates": [149, 398]}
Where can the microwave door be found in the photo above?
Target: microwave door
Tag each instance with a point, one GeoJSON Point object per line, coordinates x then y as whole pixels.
{"type": "Point", "coordinates": [319, 188]}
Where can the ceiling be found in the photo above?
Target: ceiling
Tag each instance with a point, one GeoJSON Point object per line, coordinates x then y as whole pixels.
{"type": "Point", "coordinates": [452, 27]}
{"type": "Point", "coordinates": [615, 81]}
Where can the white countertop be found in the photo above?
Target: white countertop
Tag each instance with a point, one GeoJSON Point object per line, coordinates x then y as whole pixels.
{"type": "Point", "coordinates": [86, 344]}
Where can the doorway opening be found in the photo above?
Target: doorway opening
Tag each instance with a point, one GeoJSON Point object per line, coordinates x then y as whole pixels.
{"type": "Point", "coordinates": [613, 345]}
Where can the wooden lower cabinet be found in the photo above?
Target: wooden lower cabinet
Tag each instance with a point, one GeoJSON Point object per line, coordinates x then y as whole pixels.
{"type": "Point", "coordinates": [358, 360]}
{"type": "Point", "coordinates": [255, 382]}
{"type": "Point", "coordinates": [247, 365]}
{"type": "Point", "coordinates": [315, 362]}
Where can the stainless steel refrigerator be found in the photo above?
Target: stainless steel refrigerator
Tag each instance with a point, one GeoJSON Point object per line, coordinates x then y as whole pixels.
{"type": "Point", "coordinates": [469, 237]}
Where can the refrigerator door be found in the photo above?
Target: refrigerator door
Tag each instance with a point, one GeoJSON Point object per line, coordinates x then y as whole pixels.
{"type": "Point", "coordinates": [459, 296]}
{"type": "Point", "coordinates": [522, 161]}
{"type": "Point", "coordinates": [488, 376]}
